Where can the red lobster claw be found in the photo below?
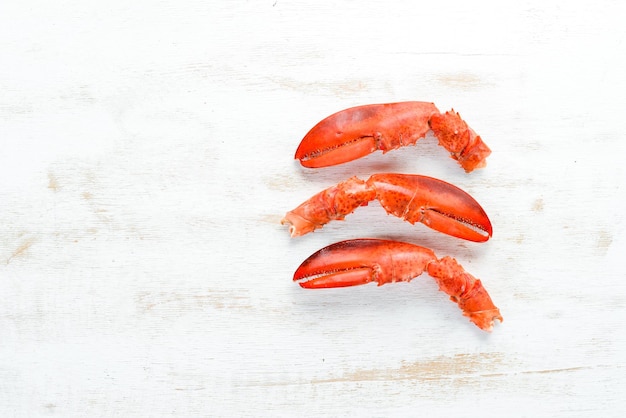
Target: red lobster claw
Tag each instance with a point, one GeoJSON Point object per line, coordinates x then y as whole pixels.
{"type": "Point", "coordinates": [414, 198]}
{"type": "Point", "coordinates": [360, 261]}
{"type": "Point", "coordinates": [358, 131]}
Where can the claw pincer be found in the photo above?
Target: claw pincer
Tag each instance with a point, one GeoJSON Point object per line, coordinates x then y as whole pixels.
{"type": "Point", "coordinates": [358, 131]}
{"type": "Point", "coordinates": [414, 198]}
{"type": "Point", "coordinates": [361, 261]}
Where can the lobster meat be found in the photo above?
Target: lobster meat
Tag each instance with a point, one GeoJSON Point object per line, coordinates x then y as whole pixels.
{"type": "Point", "coordinates": [414, 198]}
{"type": "Point", "coordinates": [358, 131]}
{"type": "Point", "coordinates": [361, 261]}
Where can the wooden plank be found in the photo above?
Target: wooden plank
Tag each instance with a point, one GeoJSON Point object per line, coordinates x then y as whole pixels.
{"type": "Point", "coordinates": [147, 158]}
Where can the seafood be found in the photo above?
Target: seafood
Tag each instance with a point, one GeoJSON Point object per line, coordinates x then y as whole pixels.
{"type": "Point", "coordinates": [414, 198]}
{"type": "Point", "coordinates": [358, 131]}
{"type": "Point", "coordinates": [360, 261]}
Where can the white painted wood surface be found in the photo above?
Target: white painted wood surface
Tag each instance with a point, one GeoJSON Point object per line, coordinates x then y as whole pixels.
{"type": "Point", "coordinates": [146, 159]}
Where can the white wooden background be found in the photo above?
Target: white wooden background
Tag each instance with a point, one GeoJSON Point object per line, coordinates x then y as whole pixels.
{"type": "Point", "coordinates": [146, 159]}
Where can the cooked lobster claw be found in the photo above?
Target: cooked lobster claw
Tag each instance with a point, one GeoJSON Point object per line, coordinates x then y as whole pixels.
{"type": "Point", "coordinates": [358, 131]}
{"type": "Point", "coordinates": [414, 198]}
{"type": "Point", "coordinates": [360, 261]}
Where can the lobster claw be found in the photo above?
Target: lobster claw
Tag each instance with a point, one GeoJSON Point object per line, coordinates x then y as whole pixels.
{"type": "Point", "coordinates": [414, 198]}
{"type": "Point", "coordinates": [435, 203]}
{"type": "Point", "coordinates": [358, 131]}
{"type": "Point", "coordinates": [361, 261]}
